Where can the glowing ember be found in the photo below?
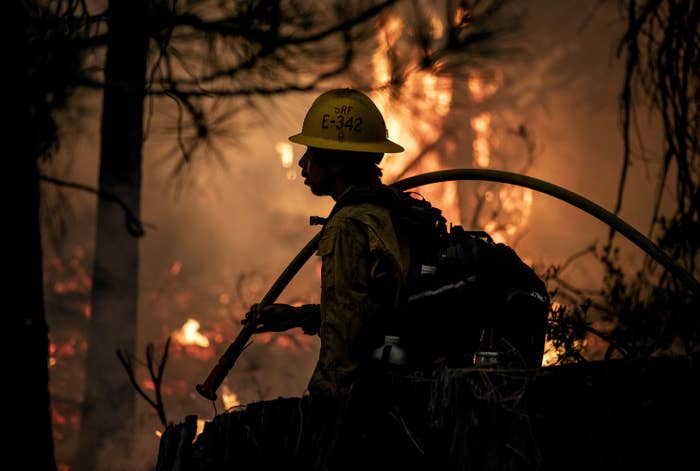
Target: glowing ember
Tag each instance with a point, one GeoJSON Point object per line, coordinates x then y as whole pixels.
{"type": "Point", "coordinates": [176, 268]}
{"type": "Point", "coordinates": [66, 348]}
{"type": "Point", "coordinates": [189, 334]}
{"type": "Point", "coordinates": [283, 341]}
{"type": "Point", "coordinates": [264, 337]}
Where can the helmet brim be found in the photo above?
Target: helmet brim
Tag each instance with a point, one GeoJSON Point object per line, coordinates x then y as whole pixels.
{"type": "Point", "coordinates": [385, 146]}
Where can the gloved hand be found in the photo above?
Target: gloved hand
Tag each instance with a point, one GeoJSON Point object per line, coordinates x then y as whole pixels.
{"type": "Point", "coordinates": [280, 317]}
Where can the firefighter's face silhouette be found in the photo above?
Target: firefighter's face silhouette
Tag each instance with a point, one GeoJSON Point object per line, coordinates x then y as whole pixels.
{"type": "Point", "coordinates": [317, 176]}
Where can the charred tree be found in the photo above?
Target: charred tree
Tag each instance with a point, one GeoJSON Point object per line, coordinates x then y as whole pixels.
{"type": "Point", "coordinates": [47, 66]}
{"type": "Point", "coordinates": [27, 279]}
{"type": "Point", "coordinates": [109, 400]}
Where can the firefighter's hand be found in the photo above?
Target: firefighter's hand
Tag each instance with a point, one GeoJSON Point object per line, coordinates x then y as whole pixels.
{"type": "Point", "coordinates": [281, 317]}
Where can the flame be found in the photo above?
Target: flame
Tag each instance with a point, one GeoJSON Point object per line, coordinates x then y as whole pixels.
{"type": "Point", "coordinates": [189, 334]}
{"type": "Point", "coordinates": [200, 428]}
{"type": "Point", "coordinates": [430, 93]}
{"type": "Point", "coordinates": [71, 346]}
{"type": "Point", "coordinates": [479, 89]}
{"type": "Point", "coordinates": [550, 354]}
{"type": "Point", "coordinates": [286, 153]}
{"type": "Point", "coordinates": [175, 268]}
{"type": "Point", "coordinates": [229, 397]}
{"type": "Point", "coordinates": [387, 38]}
{"type": "Point", "coordinates": [481, 147]}
{"type": "Point", "coordinates": [149, 385]}
{"type": "Point", "coordinates": [512, 204]}
{"type": "Point", "coordinates": [430, 99]}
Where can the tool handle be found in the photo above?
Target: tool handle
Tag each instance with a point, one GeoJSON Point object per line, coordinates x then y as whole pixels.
{"type": "Point", "coordinates": [228, 359]}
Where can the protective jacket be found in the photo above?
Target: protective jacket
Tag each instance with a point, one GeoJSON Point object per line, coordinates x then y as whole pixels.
{"type": "Point", "coordinates": [363, 276]}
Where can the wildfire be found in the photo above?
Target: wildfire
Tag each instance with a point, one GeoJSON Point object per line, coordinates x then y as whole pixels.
{"type": "Point", "coordinates": [200, 428]}
{"type": "Point", "coordinates": [416, 119]}
{"type": "Point", "coordinates": [229, 397]}
{"type": "Point", "coordinates": [66, 347]}
{"type": "Point", "coordinates": [430, 98]}
{"type": "Point", "coordinates": [479, 89]}
{"type": "Point", "coordinates": [189, 334]}
{"type": "Point", "coordinates": [550, 354]}
{"type": "Point", "coordinates": [481, 147]}
{"type": "Point", "coordinates": [286, 154]}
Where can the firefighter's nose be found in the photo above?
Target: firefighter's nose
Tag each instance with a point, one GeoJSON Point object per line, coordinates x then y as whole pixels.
{"type": "Point", "coordinates": [304, 160]}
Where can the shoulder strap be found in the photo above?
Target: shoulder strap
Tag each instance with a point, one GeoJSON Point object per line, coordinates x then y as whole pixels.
{"type": "Point", "coordinates": [413, 216]}
{"type": "Point", "coordinates": [378, 194]}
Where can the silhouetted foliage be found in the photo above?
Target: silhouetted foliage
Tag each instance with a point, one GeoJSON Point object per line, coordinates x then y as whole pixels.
{"type": "Point", "coordinates": [651, 313]}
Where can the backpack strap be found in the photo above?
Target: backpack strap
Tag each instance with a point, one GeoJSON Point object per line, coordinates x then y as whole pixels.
{"type": "Point", "coordinates": [382, 195]}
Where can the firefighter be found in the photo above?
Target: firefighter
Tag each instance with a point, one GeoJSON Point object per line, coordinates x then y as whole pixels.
{"type": "Point", "coordinates": [364, 264]}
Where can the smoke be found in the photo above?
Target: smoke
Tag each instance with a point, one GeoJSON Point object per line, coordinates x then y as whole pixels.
{"type": "Point", "coordinates": [232, 225]}
{"type": "Point", "coordinates": [573, 83]}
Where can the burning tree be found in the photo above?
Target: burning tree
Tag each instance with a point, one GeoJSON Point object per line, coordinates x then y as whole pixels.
{"type": "Point", "coordinates": [45, 75]}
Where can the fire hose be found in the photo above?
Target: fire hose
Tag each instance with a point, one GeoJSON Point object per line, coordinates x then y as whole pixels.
{"type": "Point", "coordinates": [210, 385]}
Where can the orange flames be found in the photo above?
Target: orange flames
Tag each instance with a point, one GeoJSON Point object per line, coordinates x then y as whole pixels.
{"type": "Point", "coordinates": [229, 398]}
{"type": "Point", "coordinates": [422, 125]}
{"type": "Point", "coordinates": [286, 153]}
{"type": "Point", "coordinates": [416, 120]}
{"type": "Point", "coordinates": [189, 334]}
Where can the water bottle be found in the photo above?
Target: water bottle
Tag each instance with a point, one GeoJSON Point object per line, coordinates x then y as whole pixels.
{"type": "Point", "coordinates": [390, 352]}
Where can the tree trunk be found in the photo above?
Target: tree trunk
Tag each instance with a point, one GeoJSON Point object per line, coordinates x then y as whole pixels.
{"type": "Point", "coordinates": [28, 368]}
{"type": "Point", "coordinates": [109, 401]}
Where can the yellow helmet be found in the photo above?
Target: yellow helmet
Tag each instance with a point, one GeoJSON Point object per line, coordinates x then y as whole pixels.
{"type": "Point", "coordinates": [345, 119]}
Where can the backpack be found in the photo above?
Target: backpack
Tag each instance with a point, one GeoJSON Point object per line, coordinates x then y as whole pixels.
{"type": "Point", "coordinates": [469, 301]}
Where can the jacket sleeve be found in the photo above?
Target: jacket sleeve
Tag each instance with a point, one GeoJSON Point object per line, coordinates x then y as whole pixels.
{"type": "Point", "coordinates": [350, 318]}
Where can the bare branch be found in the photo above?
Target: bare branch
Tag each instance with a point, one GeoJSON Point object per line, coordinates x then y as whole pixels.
{"type": "Point", "coordinates": [133, 224]}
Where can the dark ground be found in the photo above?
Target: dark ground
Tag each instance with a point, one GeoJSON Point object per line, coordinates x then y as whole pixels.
{"type": "Point", "coordinates": [620, 414]}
